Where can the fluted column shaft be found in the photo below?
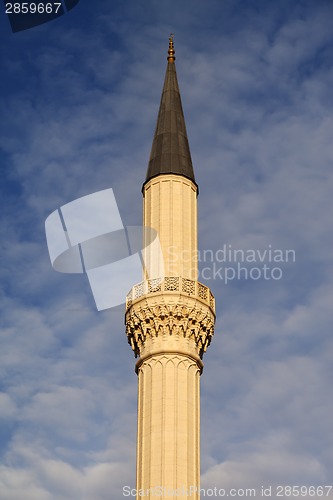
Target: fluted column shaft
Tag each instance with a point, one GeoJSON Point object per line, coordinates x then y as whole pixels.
{"type": "Point", "coordinates": [170, 207]}
{"type": "Point", "coordinates": [168, 426]}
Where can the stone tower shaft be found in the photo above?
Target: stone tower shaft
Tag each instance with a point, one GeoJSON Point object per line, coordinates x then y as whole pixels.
{"type": "Point", "coordinates": [170, 317]}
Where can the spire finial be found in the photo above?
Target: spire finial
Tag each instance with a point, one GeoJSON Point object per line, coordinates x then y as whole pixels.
{"type": "Point", "coordinates": [171, 52]}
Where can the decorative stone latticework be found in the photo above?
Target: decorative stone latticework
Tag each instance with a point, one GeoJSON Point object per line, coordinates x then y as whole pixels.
{"type": "Point", "coordinates": [167, 319]}
{"type": "Point", "coordinates": [171, 284]}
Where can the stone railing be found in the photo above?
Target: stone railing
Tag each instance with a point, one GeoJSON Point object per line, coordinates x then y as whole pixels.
{"type": "Point", "coordinates": [169, 285]}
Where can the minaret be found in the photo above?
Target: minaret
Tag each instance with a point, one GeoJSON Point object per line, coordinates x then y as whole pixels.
{"type": "Point", "coordinates": [170, 316]}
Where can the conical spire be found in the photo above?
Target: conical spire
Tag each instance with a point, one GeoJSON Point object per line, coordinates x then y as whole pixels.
{"type": "Point", "coordinates": [170, 152]}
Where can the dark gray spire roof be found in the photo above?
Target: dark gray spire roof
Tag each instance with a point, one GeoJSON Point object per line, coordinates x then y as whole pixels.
{"type": "Point", "coordinates": [170, 152]}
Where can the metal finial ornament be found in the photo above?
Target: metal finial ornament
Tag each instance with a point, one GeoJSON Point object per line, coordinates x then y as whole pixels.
{"type": "Point", "coordinates": [171, 52]}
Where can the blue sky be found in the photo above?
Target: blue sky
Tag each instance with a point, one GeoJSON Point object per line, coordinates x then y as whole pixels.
{"type": "Point", "coordinates": [79, 100]}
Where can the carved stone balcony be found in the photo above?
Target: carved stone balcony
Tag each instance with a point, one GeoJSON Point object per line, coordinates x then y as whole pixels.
{"type": "Point", "coordinates": [171, 285]}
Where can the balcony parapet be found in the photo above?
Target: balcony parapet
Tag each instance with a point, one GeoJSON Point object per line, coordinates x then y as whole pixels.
{"type": "Point", "coordinates": [171, 285]}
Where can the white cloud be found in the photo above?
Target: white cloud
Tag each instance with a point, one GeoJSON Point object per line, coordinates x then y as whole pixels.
{"type": "Point", "coordinates": [7, 407]}
{"type": "Point", "coordinates": [21, 483]}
